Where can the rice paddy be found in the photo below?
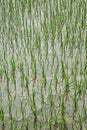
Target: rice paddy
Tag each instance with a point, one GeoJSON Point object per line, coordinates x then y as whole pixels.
{"type": "Point", "coordinates": [43, 65]}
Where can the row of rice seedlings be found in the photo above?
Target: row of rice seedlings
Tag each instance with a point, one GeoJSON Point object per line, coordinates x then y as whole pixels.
{"type": "Point", "coordinates": [34, 61]}
{"type": "Point", "coordinates": [22, 77]}
{"type": "Point", "coordinates": [75, 99]}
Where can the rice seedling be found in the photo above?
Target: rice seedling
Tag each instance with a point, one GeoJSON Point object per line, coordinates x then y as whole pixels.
{"type": "Point", "coordinates": [43, 58]}
{"type": "Point", "coordinates": [75, 103]}
{"type": "Point", "coordinates": [80, 122]}
{"type": "Point", "coordinates": [56, 79]}
{"type": "Point", "coordinates": [63, 109]}
{"type": "Point", "coordinates": [13, 71]}
{"type": "Point", "coordinates": [34, 70]}
{"type": "Point", "coordinates": [34, 110]}
{"type": "Point", "coordinates": [44, 77]}
{"type": "Point", "coordinates": [2, 117]}
{"type": "Point", "coordinates": [27, 84]}
{"type": "Point", "coordinates": [21, 67]}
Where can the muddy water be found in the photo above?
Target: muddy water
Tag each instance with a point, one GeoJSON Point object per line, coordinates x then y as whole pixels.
{"type": "Point", "coordinates": [21, 101]}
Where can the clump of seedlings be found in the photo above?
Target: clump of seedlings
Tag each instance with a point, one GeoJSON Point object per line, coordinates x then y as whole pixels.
{"type": "Point", "coordinates": [43, 62]}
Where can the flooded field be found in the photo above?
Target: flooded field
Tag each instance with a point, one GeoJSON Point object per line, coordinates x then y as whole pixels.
{"type": "Point", "coordinates": [43, 65]}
